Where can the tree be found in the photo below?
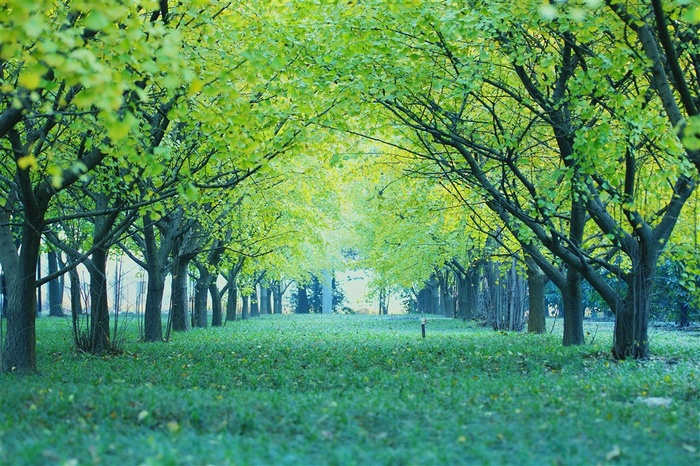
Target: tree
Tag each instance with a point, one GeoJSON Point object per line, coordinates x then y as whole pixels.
{"type": "Point", "coordinates": [302, 301]}
{"type": "Point", "coordinates": [497, 94]}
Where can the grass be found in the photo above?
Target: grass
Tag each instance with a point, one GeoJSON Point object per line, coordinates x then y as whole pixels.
{"type": "Point", "coordinates": [353, 390]}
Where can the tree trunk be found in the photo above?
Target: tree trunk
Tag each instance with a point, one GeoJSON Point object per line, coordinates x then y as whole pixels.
{"type": "Point", "coordinates": [99, 319]}
{"type": "Point", "coordinates": [157, 253]}
{"type": "Point", "coordinates": [264, 299]}
{"type": "Point", "coordinates": [178, 310]}
{"type": "Point", "coordinates": [153, 328]}
{"type": "Point", "coordinates": [38, 288]}
{"type": "Point", "coordinates": [231, 300]}
{"type": "Point", "coordinates": [461, 304]}
{"type": "Point", "coordinates": [573, 295]}
{"type": "Point", "coordinates": [632, 318]}
{"type": "Point", "coordinates": [573, 309]}
{"type": "Point", "coordinates": [443, 309]}
{"type": "Point", "coordinates": [469, 292]}
{"type": "Point", "coordinates": [216, 311]}
{"type": "Point", "coordinates": [76, 302]}
{"type": "Point", "coordinates": [277, 293]}
{"type": "Point", "coordinates": [20, 341]}
{"type": "Point", "coordinates": [302, 301]}
{"type": "Point", "coordinates": [505, 297]}
{"type": "Point", "coordinates": [55, 288]}
{"type": "Point", "coordinates": [423, 300]}
{"type": "Point", "coordinates": [518, 302]}
{"type": "Point", "coordinates": [383, 302]}
{"type": "Point", "coordinates": [493, 301]}
{"type": "Point", "coordinates": [536, 282]}
{"type": "Point", "coordinates": [254, 302]}
{"type": "Point", "coordinates": [245, 309]}
{"type": "Point", "coordinates": [3, 292]}
{"type": "Point", "coordinates": [200, 299]}
{"type": "Point", "coordinates": [434, 285]}
{"type": "Point", "coordinates": [76, 308]}
{"type": "Point", "coordinates": [450, 306]}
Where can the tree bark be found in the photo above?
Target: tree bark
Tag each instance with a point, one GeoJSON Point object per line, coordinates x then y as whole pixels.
{"type": "Point", "coordinates": [231, 303]}
{"type": "Point", "coordinates": [3, 294]}
{"type": "Point", "coordinates": [153, 328]}
{"type": "Point", "coordinates": [178, 311]}
{"type": "Point", "coordinates": [383, 301]}
{"type": "Point", "coordinates": [632, 319]}
{"type": "Point", "coordinates": [245, 309]}
{"type": "Point", "coordinates": [573, 294]}
{"type": "Point", "coordinates": [461, 304]}
{"type": "Point", "coordinates": [99, 321]}
{"type": "Point", "coordinates": [216, 311]}
{"type": "Point", "coordinates": [444, 308]}
{"type": "Point", "coordinates": [254, 302]}
{"type": "Point", "coordinates": [76, 303]}
{"type": "Point", "coordinates": [423, 300]}
{"type": "Point", "coordinates": [302, 300]}
{"type": "Point", "coordinates": [20, 341]}
{"type": "Point", "coordinates": [573, 309]}
{"type": "Point", "coordinates": [200, 297]}
{"type": "Point", "coordinates": [277, 293]}
{"type": "Point", "coordinates": [39, 303]}
{"type": "Point", "coordinates": [264, 299]}
{"type": "Point", "coordinates": [536, 282]}
{"type": "Point", "coordinates": [232, 297]}
{"type": "Point", "coordinates": [436, 302]}
{"type": "Point", "coordinates": [55, 286]}
{"type": "Point", "coordinates": [472, 291]}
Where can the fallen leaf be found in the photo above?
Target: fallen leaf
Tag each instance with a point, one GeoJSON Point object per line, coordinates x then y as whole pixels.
{"type": "Point", "coordinates": [614, 453]}
{"type": "Point", "coordinates": [173, 426]}
{"type": "Point", "coordinates": [655, 401]}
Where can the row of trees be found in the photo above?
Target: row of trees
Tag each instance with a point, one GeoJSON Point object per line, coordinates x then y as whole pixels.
{"type": "Point", "coordinates": [221, 139]}
{"type": "Point", "coordinates": [574, 124]}
{"type": "Point", "coordinates": [157, 129]}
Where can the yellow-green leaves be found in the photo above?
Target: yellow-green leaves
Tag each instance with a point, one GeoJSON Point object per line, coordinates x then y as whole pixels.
{"type": "Point", "coordinates": [692, 14]}
{"type": "Point", "coordinates": [691, 133]}
{"type": "Point", "coordinates": [97, 20]}
{"type": "Point", "coordinates": [31, 76]}
{"type": "Point", "coordinates": [120, 128]}
{"type": "Point", "coordinates": [23, 163]}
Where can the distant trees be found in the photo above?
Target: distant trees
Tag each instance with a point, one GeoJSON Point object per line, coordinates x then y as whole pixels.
{"type": "Point", "coordinates": [309, 297]}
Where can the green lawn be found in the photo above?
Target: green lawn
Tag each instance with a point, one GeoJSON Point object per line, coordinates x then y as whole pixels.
{"type": "Point", "coordinates": [353, 390]}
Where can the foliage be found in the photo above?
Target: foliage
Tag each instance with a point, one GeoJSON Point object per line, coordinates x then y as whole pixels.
{"type": "Point", "coordinates": [352, 390]}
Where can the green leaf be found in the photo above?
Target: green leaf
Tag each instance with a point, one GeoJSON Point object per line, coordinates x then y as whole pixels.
{"type": "Point", "coordinates": [26, 162]}
{"type": "Point", "coordinates": [31, 77]}
{"type": "Point", "coordinates": [34, 27]}
{"type": "Point", "coordinates": [119, 129]}
{"type": "Point", "coordinates": [96, 21]}
{"type": "Point", "coordinates": [691, 134]}
{"type": "Point", "coordinates": [693, 15]}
